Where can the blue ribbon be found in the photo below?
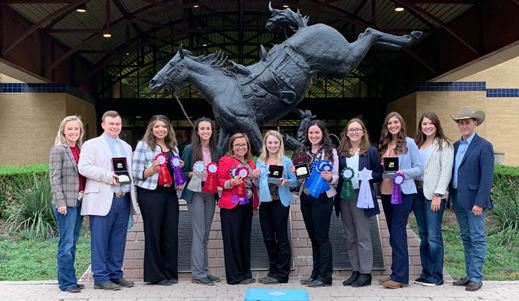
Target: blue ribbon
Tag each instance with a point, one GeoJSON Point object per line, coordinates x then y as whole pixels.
{"type": "Point", "coordinates": [315, 183]}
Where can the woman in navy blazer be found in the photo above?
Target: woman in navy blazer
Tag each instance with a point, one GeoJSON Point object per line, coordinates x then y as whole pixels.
{"type": "Point", "coordinates": [275, 200]}
{"type": "Point", "coordinates": [355, 152]}
{"type": "Point", "coordinates": [394, 143]}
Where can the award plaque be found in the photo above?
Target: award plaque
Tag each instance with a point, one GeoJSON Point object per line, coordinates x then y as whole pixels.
{"type": "Point", "coordinates": [302, 170]}
{"type": "Point", "coordinates": [275, 174]}
{"type": "Point", "coordinates": [391, 166]}
{"type": "Point", "coordinates": [121, 170]}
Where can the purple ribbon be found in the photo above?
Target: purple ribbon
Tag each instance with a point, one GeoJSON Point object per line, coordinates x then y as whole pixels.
{"type": "Point", "coordinates": [180, 178]}
{"type": "Point", "coordinates": [396, 194]}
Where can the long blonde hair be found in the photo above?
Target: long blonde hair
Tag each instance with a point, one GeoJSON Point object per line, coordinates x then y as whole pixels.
{"type": "Point", "coordinates": [60, 136]}
{"type": "Point", "coordinates": [281, 152]}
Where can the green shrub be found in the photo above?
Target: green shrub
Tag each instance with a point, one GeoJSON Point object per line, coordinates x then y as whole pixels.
{"type": "Point", "coordinates": [9, 176]}
{"type": "Point", "coordinates": [505, 198]}
{"type": "Point", "coordinates": [30, 214]}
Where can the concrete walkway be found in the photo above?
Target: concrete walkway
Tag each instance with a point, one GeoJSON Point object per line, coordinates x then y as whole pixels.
{"type": "Point", "coordinates": [186, 291]}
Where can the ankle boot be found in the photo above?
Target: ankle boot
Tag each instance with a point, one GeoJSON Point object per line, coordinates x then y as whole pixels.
{"type": "Point", "coordinates": [362, 280]}
{"type": "Point", "coordinates": [352, 278]}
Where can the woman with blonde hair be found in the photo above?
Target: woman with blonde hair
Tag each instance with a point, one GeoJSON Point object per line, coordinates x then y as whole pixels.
{"type": "Point", "coordinates": [158, 200]}
{"type": "Point", "coordinates": [275, 199]}
{"type": "Point", "coordinates": [67, 187]}
{"type": "Point", "coordinates": [236, 173]}
{"type": "Point", "coordinates": [394, 143]}
{"type": "Point", "coordinates": [356, 154]}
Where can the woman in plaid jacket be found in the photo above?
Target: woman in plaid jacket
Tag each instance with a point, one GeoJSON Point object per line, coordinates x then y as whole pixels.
{"type": "Point", "coordinates": [67, 187]}
{"type": "Point", "coordinates": [158, 202]}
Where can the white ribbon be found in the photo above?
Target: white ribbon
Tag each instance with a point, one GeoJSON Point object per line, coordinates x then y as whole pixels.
{"type": "Point", "coordinates": [365, 199]}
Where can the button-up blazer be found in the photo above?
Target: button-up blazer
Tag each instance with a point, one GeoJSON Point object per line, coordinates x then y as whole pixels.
{"type": "Point", "coordinates": [475, 174]}
{"type": "Point", "coordinates": [95, 164]}
{"type": "Point", "coordinates": [64, 177]}
{"type": "Point", "coordinates": [438, 170]}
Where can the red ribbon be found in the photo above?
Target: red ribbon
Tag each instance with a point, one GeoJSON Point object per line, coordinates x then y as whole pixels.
{"type": "Point", "coordinates": [164, 175]}
{"type": "Point", "coordinates": [210, 183]}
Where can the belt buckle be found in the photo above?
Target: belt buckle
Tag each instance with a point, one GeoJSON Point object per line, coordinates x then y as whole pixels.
{"type": "Point", "coordinates": [120, 194]}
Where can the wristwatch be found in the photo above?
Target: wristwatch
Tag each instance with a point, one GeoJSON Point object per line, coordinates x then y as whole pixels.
{"type": "Point", "coordinates": [438, 194]}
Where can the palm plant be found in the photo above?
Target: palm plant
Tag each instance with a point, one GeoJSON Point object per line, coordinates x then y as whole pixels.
{"type": "Point", "coordinates": [31, 211]}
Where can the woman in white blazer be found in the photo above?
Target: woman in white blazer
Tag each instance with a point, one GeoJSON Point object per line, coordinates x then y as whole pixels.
{"type": "Point", "coordinates": [437, 155]}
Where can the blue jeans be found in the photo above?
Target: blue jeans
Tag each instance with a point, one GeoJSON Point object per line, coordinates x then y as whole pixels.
{"type": "Point", "coordinates": [472, 233]}
{"type": "Point", "coordinates": [431, 240]}
{"type": "Point", "coordinates": [68, 230]}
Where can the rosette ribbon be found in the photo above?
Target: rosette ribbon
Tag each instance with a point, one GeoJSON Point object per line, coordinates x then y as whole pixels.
{"type": "Point", "coordinates": [396, 194]}
{"type": "Point", "coordinates": [210, 183]}
{"type": "Point", "coordinates": [347, 191]}
{"type": "Point", "coordinates": [195, 184]}
{"type": "Point", "coordinates": [240, 190]}
{"type": "Point", "coordinates": [180, 178]}
{"type": "Point", "coordinates": [164, 175]}
{"type": "Point", "coordinates": [365, 199]}
{"type": "Point", "coordinates": [315, 183]}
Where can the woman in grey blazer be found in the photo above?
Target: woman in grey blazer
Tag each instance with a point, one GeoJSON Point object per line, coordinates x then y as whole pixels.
{"type": "Point", "coordinates": [67, 187]}
{"type": "Point", "coordinates": [437, 153]}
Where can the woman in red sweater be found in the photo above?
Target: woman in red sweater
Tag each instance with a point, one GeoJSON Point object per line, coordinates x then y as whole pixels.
{"type": "Point", "coordinates": [236, 172]}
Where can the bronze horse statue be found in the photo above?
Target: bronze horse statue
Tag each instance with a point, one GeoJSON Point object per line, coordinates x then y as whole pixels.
{"type": "Point", "coordinates": [245, 98]}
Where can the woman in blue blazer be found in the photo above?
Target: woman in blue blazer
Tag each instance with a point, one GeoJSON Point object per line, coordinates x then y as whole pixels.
{"type": "Point", "coordinates": [275, 200]}
{"type": "Point", "coordinates": [394, 143]}
{"type": "Point", "coordinates": [356, 153]}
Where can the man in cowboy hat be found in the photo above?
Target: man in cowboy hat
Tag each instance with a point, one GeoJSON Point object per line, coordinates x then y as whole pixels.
{"type": "Point", "coordinates": [473, 171]}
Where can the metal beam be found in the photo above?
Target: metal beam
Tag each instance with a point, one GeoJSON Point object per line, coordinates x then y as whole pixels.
{"type": "Point", "coordinates": [126, 14]}
{"type": "Point", "coordinates": [421, 14]}
{"type": "Point", "coordinates": [57, 15]}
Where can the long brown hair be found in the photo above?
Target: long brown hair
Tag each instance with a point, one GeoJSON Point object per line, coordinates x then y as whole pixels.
{"type": "Point", "coordinates": [345, 145]}
{"type": "Point", "coordinates": [439, 136]}
{"type": "Point", "coordinates": [325, 141]}
{"type": "Point", "coordinates": [248, 155]}
{"type": "Point", "coordinates": [170, 140]}
{"type": "Point", "coordinates": [196, 144]}
{"type": "Point", "coordinates": [386, 137]}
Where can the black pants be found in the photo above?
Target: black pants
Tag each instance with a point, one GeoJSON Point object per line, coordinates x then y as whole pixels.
{"type": "Point", "coordinates": [274, 225]}
{"type": "Point", "coordinates": [317, 214]}
{"type": "Point", "coordinates": [236, 230]}
{"type": "Point", "coordinates": [159, 209]}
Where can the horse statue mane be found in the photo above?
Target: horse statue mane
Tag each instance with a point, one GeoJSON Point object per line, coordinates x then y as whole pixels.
{"type": "Point", "coordinates": [285, 20]}
{"type": "Point", "coordinates": [246, 98]}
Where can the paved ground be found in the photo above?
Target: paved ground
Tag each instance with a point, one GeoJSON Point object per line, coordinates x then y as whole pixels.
{"type": "Point", "coordinates": [186, 291]}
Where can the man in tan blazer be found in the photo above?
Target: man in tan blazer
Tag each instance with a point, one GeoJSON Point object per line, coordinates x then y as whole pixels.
{"type": "Point", "coordinates": [107, 203]}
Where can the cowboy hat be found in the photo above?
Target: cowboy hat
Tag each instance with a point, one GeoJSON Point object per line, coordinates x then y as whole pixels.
{"type": "Point", "coordinates": [468, 113]}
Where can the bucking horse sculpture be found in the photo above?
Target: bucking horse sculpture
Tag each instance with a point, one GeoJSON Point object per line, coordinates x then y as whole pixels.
{"type": "Point", "coordinates": [245, 98]}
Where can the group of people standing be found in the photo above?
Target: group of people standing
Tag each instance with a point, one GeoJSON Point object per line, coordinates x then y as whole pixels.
{"type": "Point", "coordinates": [84, 182]}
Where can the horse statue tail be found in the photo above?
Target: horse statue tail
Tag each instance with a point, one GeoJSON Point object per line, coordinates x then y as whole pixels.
{"type": "Point", "coordinates": [285, 20]}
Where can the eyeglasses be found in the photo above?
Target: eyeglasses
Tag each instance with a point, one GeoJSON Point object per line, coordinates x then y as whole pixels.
{"type": "Point", "coordinates": [355, 130]}
{"type": "Point", "coordinates": [239, 145]}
